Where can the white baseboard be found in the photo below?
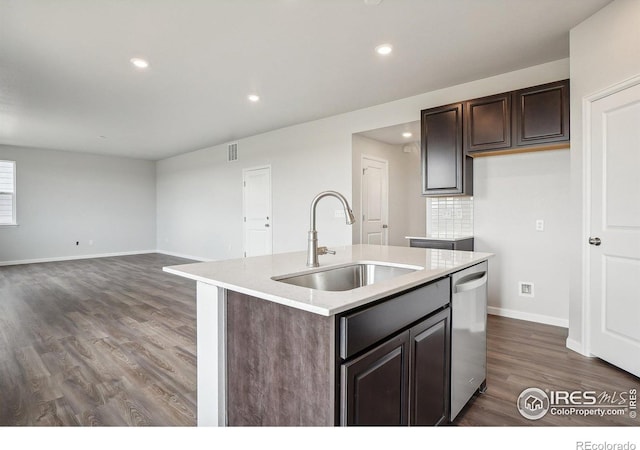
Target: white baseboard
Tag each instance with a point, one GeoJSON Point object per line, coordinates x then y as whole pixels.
{"type": "Point", "coordinates": [577, 347]}
{"type": "Point", "coordinates": [74, 257]}
{"type": "Point", "coordinates": [531, 317]}
{"type": "Point", "coordinates": [181, 255]}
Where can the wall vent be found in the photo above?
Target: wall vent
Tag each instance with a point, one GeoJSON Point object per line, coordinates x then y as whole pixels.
{"type": "Point", "coordinates": [232, 152]}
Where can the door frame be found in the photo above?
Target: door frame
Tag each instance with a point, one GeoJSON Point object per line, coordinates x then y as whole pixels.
{"type": "Point", "coordinates": [386, 175]}
{"type": "Point", "coordinates": [584, 347]}
{"type": "Point", "coordinates": [244, 205]}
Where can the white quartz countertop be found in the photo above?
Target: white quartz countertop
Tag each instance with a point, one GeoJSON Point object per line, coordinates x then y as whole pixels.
{"type": "Point", "coordinates": [253, 276]}
{"type": "Point", "coordinates": [440, 238]}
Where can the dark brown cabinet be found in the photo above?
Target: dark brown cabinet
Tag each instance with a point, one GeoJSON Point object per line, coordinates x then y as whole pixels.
{"type": "Point", "coordinates": [405, 379]}
{"type": "Point", "coordinates": [445, 244]}
{"type": "Point", "coordinates": [533, 118]}
{"type": "Point", "coordinates": [542, 114]}
{"type": "Point", "coordinates": [429, 370]}
{"type": "Point", "coordinates": [375, 385]}
{"type": "Point", "coordinates": [446, 170]}
{"type": "Point", "coordinates": [488, 123]}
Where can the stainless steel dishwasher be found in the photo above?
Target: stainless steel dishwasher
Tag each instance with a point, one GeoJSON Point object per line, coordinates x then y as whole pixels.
{"type": "Point", "coordinates": [468, 335]}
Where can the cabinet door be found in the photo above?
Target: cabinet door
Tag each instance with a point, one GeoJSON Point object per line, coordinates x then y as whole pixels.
{"type": "Point", "coordinates": [444, 166]}
{"type": "Point", "coordinates": [542, 114]}
{"type": "Point", "coordinates": [375, 385]}
{"type": "Point", "coordinates": [429, 370]}
{"type": "Point", "coordinates": [488, 123]}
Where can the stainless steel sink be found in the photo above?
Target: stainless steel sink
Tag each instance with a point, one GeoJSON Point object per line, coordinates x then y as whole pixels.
{"type": "Point", "coordinates": [346, 278]}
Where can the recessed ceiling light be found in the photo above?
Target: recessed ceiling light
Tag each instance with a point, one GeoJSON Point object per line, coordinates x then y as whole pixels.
{"type": "Point", "coordinates": [407, 134]}
{"type": "Point", "coordinates": [372, 2]}
{"type": "Point", "coordinates": [139, 63]}
{"type": "Point", "coordinates": [384, 49]}
{"type": "Point", "coordinates": [253, 98]}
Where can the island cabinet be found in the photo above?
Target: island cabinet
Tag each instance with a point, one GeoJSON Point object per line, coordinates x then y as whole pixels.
{"type": "Point", "coordinates": [385, 363]}
{"type": "Point", "coordinates": [404, 380]}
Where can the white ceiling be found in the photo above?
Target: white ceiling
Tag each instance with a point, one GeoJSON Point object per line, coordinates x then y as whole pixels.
{"type": "Point", "coordinates": [393, 134]}
{"type": "Point", "coordinates": [66, 81]}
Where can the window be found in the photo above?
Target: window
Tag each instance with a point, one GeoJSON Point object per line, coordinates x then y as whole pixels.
{"type": "Point", "coordinates": [7, 193]}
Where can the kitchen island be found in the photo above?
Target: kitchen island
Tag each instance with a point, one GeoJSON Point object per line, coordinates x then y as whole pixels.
{"type": "Point", "coordinates": [272, 351]}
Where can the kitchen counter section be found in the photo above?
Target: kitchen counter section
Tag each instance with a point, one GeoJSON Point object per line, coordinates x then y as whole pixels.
{"type": "Point", "coordinates": [253, 276]}
{"type": "Point", "coordinates": [436, 237]}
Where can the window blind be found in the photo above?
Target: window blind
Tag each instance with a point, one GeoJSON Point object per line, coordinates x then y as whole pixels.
{"type": "Point", "coordinates": [7, 192]}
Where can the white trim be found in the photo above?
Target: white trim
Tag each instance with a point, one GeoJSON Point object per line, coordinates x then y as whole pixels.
{"type": "Point", "coordinates": [182, 255]}
{"type": "Point", "coordinates": [587, 102]}
{"type": "Point", "coordinates": [577, 347]}
{"type": "Point", "coordinates": [75, 257]}
{"type": "Point", "coordinates": [530, 317]}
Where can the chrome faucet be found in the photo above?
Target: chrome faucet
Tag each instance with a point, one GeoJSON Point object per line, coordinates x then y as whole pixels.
{"type": "Point", "coordinates": [312, 249]}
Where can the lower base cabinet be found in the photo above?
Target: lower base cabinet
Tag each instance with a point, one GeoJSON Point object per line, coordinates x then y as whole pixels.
{"type": "Point", "coordinates": [404, 380]}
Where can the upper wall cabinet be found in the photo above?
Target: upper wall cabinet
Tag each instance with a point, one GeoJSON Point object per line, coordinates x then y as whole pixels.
{"type": "Point", "coordinates": [488, 123]}
{"type": "Point", "coordinates": [542, 114]}
{"type": "Point", "coordinates": [528, 119]}
{"type": "Point", "coordinates": [535, 118]}
{"type": "Point", "coordinates": [445, 168]}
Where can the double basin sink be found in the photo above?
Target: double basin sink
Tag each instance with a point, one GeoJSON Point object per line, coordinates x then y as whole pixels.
{"type": "Point", "coordinates": [346, 278]}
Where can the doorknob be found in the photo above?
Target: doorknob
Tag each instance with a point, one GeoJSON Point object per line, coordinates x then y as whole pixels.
{"type": "Point", "coordinates": [385, 226]}
{"type": "Point", "coordinates": [266, 225]}
{"type": "Point", "coordinates": [595, 241]}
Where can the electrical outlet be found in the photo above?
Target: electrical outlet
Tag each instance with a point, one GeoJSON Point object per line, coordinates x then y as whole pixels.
{"type": "Point", "coordinates": [525, 289]}
{"type": "Point", "coordinates": [539, 225]}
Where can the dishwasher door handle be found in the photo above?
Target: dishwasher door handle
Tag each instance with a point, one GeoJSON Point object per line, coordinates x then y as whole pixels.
{"type": "Point", "coordinates": [477, 280]}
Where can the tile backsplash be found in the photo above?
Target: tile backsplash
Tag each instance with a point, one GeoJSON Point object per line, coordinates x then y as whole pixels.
{"type": "Point", "coordinates": [450, 216]}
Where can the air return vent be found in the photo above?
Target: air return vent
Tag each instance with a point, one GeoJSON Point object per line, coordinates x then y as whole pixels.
{"type": "Point", "coordinates": [232, 152]}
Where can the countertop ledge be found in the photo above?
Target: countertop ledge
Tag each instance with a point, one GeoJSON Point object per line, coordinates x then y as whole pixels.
{"type": "Point", "coordinates": [439, 238]}
{"type": "Point", "coordinates": [253, 276]}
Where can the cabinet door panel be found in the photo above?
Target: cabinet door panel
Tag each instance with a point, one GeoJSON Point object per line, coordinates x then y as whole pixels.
{"type": "Point", "coordinates": [543, 114]}
{"type": "Point", "coordinates": [430, 370]}
{"type": "Point", "coordinates": [374, 386]}
{"type": "Point", "coordinates": [488, 123]}
{"type": "Point", "coordinates": [442, 158]}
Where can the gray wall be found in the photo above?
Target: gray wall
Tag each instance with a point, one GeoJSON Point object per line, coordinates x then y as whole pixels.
{"type": "Point", "coordinates": [604, 51]}
{"type": "Point", "coordinates": [64, 197]}
{"type": "Point", "coordinates": [510, 193]}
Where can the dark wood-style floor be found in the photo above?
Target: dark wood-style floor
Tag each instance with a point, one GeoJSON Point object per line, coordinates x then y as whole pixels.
{"type": "Point", "coordinates": [112, 341]}
{"type": "Point", "coordinates": [107, 341]}
{"type": "Point", "coordinates": [523, 354]}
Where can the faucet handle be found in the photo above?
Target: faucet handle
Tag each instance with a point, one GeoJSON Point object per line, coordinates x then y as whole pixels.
{"type": "Point", "coordinates": [325, 250]}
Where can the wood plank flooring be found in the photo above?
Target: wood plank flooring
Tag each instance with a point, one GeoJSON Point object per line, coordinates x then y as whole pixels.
{"type": "Point", "coordinates": [112, 342]}
{"type": "Point", "coordinates": [106, 341]}
{"type": "Point", "coordinates": [524, 354]}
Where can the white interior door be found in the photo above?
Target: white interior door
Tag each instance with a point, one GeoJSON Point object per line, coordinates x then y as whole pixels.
{"type": "Point", "coordinates": [615, 225]}
{"type": "Point", "coordinates": [257, 211]}
{"type": "Point", "coordinates": [375, 201]}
